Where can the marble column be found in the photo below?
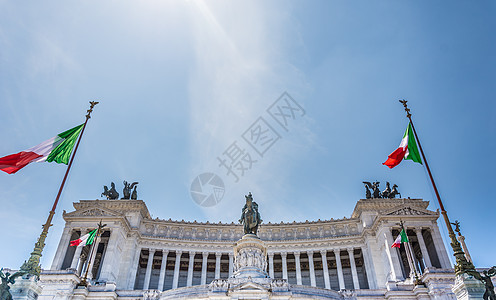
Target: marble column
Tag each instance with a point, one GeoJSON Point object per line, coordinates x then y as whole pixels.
{"type": "Point", "coordinates": [217, 264]}
{"type": "Point", "coordinates": [354, 274]}
{"type": "Point", "coordinates": [58, 260]}
{"type": "Point", "coordinates": [271, 264]}
{"type": "Point", "coordinates": [204, 268]}
{"type": "Point", "coordinates": [339, 269]}
{"type": "Point", "coordinates": [298, 268]}
{"type": "Point", "coordinates": [75, 259]}
{"type": "Point", "coordinates": [312, 268]}
{"type": "Point", "coordinates": [189, 281]}
{"type": "Point", "coordinates": [397, 272]}
{"type": "Point", "coordinates": [175, 280]}
{"type": "Point", "coordinates": [440, 249]}
{"type": "Point", "coordinates": [423, 248]}
{"type": "Point", "coordinates": [110, 256]}
{"type": "Point", "coordinates": [284, 265]}
{"type": "Point", "coordinates": [82, 262]}
{"type": "Point", "coordinates": [149, 267]}
{"type": "Point", "coordinates": [231, 264]}
{"type": "Point", "coordinates": [327, 282]}
{"type": "Point", "coordinates": [163, 268]}
{"type": "Point", "coordinates": [134, 269]}
{"type": "Point", "coordinates": [369, 270]}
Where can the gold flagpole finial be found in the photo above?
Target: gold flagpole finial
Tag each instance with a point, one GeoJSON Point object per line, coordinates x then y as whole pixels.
{"type": "Point", "coordinates": [92, 104]}
{"type": "Point", "coordinates": [408, 114]}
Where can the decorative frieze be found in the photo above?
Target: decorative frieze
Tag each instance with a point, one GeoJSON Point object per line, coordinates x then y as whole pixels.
{"type": "Point", "coordinates": [250, 257]}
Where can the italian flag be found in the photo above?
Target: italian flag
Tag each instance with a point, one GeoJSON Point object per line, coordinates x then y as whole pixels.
{"type": "Point", "coordinates": [86, 239]}
{"type": "Point", "coordinates": [406, 150]}
{"type": "Point", "coordinates": [57, 149]}
{"type": "Point", "coordinates": [402, 238]}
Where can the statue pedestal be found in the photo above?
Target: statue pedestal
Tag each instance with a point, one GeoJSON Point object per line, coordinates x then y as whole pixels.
{"type": "Point", "coordinates": [250, 257]}
{"type": "Point", "coordinates": [250, 279]}
{"type": "Point", "coordinates": [26, 288]}
{"type": "Point", "coordinates": [467, 287]}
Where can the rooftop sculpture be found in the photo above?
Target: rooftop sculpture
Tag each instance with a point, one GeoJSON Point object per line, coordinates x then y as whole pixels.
{"type": "Point", "coordinates": [112, 193]}
{"type": "Point", "coordinates": [388, 193]}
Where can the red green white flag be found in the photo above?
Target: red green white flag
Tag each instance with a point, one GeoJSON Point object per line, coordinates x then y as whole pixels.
{"type": "Point", "coordinates": [57, 149]}
{"type": "Point", "coordinates": [402, 238]}
{"type": "Point", "coordinates": [406, 150]}
{"type": "Point", "coordinates": [86, 239]}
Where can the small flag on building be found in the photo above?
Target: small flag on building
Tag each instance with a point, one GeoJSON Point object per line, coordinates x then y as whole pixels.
{"type": "Point", "coordinates": [406, 150]}
{"type": "Point", "coordinates": [86, 239]}
{"type": "Point", "coordinates": [57, 149]}
{"type": "Point", "coordinates": [402, 238]}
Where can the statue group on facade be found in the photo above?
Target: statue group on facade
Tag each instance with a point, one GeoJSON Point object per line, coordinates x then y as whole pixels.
{"type": "Point", "coordinates": [250, 217]}
{"type": "Point", "coordinates": [4, 285]}
{"type": "Point", "coordinates": [112, 193]}
{"type": "Point", "coordinates": [485, 277]}
{"type": "Point", "coordinates": [388, 193]}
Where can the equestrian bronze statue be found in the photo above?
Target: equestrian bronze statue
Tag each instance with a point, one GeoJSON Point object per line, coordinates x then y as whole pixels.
{"type": "Point", "coordinates": [250, 218]}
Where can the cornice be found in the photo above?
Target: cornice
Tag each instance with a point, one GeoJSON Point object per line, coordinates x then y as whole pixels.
{"type": "Point", "coordinates": [274, 247]}
{"type": "Point", "coordinates": [121, 206]}
{"type": "Point", "coordinates": [198, 232]}
{"type": "Point", "coordinates": [292, 224]}
{"type": "Point", "coordinates": [96, 212]}
{"type": "Point", "coordinates": [387, 220]}
{"type": "Point", "coordinates": [381, 205]}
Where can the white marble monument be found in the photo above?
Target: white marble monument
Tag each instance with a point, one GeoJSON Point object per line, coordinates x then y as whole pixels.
{"type": "Point", "coordinates": [351, 258]}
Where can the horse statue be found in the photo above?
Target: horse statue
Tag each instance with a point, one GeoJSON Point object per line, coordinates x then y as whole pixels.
{"type": "Point", "coordinates": [250, 218]}
{"type": "Point", "coordinates": [374, 187]}
{"type": "Point", "coordinates": [134, 195]}
{"type": "Point", "coordinates": [387, 192]}
{"type": "Point", "coordinates": [111, 194]}
{"type": "Point", "coordinates": [394, 192]}
{"type": "Point", "coordinates": [127, 189]}
{"type": "Point", "coordinates": [368, 195]}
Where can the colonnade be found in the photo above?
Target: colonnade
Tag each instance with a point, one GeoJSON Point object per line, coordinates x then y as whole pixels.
{"type": "Point", "coordinates": [432, 254]}
{"type": "Point", "coordinates": [325, 263]}
{"type": "Point", "coordinates": [162, 256]}
{"type": "Point", "coordinates": [152, 254]}
{"type": "Point", "coordinates": [76, 257]}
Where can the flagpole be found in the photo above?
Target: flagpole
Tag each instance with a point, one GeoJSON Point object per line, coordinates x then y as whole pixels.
{"type": "Point", "coordinates": [462, 265]}
{"type": "Point", "coordinates": [411, 258]}
{"type": "Point", "coordinates": [32, 266]}
{"type": "Point", "coordinates": [92, 250]}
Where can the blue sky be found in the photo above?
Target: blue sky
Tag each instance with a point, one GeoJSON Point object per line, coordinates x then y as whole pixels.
{"type": "Point", "coordinates": [180, 81]}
